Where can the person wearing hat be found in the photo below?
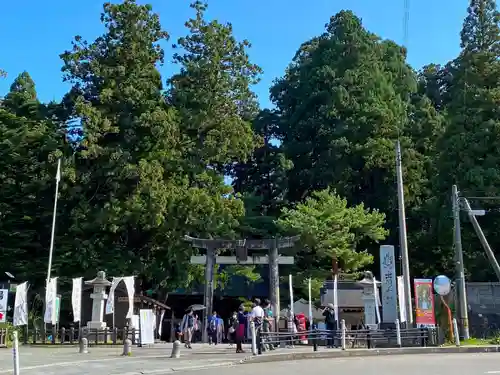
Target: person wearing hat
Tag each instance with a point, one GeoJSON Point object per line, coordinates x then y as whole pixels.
{"type": "Point", "coordinates": [330, 322]}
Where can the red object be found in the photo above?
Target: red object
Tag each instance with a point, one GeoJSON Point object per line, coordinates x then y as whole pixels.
{"type": "Point", "coordinates": [424, 302]}
{"type": "Point", "coordinates": [301, 318]}
{"type": "Point", "coordinates": [2, 316]}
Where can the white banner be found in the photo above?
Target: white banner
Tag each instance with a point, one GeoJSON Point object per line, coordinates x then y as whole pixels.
{"type": "Point", "coordinates": [110, 303]}
{"type": "Point", "coordinates": [401, 300]}
{"type": "Point", "coordinates": [130, 285]}
{"type": "Point", "coordinates": [161, 322]}
{"type": "Point", "coordinates": [4, 298]}
{"type": "Point", "coordinates": [21, 305]}
{"type": "Point", "coordinates": [290, 286]}
{"type": "Point", "coordinates": [51, 302]}
{"type": "Point", "coordinates": [336, 299]}
{"type": "Point", "coordinates": [146, 324]}
{"type": "Point", "coordinates": [377, 299]}
{"type": "Point", "coordinates": [388, 286]}
{"type": "Point", "coordinates": [76, 299]}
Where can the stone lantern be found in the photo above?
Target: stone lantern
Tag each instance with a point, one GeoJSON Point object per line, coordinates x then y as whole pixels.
{"type": "Point", "coordinates": [370, 300]}
{"type": "Point", "coordinates": [98, 297]}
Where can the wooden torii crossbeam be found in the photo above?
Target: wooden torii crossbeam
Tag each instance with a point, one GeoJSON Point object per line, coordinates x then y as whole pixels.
{"type": "Point", "coordinates": [273, 259]}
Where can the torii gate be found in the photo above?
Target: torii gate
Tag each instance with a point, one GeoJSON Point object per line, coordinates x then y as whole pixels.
{"type": "Point", "coordinates": [273, 259]}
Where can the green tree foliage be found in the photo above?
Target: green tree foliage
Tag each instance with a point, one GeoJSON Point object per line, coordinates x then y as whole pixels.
{"type": "Point", "coordinates": [469, 154]}
{"type": "Point", "coordinates": [144, 163]}
{"type": "Point", "coordinates": [213, 97]}
{"type": "Point", "coordinates": [134, 195]}
{"type": "Point", "coordinates": [212, 92]}
{"type": "Point", "coordinates": [331, 229]}
{"type": "Point", "coordinates": [29, 147]}
{"type": "Point", "coordinates": [343, 102]}
{"type": "Point", "coordinates": [263, 180]}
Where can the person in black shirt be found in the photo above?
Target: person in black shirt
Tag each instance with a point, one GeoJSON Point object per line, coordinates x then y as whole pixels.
{"type": "Point", "coordinates": [330, 322]}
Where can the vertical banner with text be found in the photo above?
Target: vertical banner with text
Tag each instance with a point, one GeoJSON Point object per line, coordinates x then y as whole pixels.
{"type": "Point", "coordinates": [21, 305]}
{"type": "Point", "coordinates": [388, 286]}
{"type": "Point", "coordinates": [424, 302]}
{"type": "Point", "coordinates": [76, 299]}
{"type": "Point", "coordinates": [401, 300]}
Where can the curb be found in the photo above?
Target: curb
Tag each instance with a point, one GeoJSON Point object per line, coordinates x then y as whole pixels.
{"type": "Point", "coordinates": [281, 357]}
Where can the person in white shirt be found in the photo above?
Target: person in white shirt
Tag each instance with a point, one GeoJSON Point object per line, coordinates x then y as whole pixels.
{"type": "Point", "coordinates": [257, 314]}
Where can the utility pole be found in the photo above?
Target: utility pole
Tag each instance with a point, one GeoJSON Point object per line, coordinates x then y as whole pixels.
{"type": "Point", "coordinates": [459, 259]}
{"type": "Point", "coordinates": [482, 238]}
{"type": "Point", "coordinates": [402, 237]}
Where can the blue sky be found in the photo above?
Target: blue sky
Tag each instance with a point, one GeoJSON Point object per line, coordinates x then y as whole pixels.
{"type": "Point", "coordinates": [34, 33]}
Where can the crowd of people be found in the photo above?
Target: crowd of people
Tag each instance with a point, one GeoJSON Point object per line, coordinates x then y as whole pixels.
{"type": "Point", "coordinates": [236, 330]}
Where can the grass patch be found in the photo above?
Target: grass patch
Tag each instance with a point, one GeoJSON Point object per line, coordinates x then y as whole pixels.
{"type": "Point", "coordinates": [478, 342]}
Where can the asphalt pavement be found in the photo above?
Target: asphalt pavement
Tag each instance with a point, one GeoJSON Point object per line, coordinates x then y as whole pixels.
{"type": "Point", "coordinates": [59, 360]}
{"type": "Point", "coordinates": [222, 360]}
{"type": "Point", "coordinates": [428, 364]}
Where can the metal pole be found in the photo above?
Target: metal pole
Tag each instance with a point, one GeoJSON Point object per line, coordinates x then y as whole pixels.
{"type": "Point", "coordinates": [482, 238]}
{"type": "Point", "coordinates": [54, 214]}
{"type": "Point", "coordinates": [402, 237]}
{"type": "Point", "coordinates": [208, 296]}
{"type": "Point", "coordinates": [15, 352]}
{"type": "Point", "coordinates": [459, 259]}
{"type": "Point", "coordinates": [398, 333]}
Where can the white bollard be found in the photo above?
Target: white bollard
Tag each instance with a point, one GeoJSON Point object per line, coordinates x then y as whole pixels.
{"type": "Point", "coordinates": [455, 330]}
{"type": "Point", "coordinates": [343, 330]}
{"type": "Point", "coordinates": [398, 333]}
{"type": "Point", "coordinates": [84, 345]}
{"type": "Point", "coordinates": [176, 349]}
{"type": "Point", "coordinates": [15, 352]}
{"type": "Point", "coordinates": [127, 348]}
{"type": "Point", "coordinates": [254, 338]}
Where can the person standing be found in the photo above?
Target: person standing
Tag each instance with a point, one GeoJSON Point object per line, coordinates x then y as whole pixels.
{"type": "Point", "coordinates": [240, 331]}
{"type": "Point", "coordinates": [330, 322]}
{"type": "Point", "coordinates": [231, 331]}
{"type": "Point", "coordinates": [257, 316]}
{"type": "Point", "coordinates": [267, 325]}
{"type": "Point", "coordinates": [187, 327]}
{"type": "Point", "coordinates": [213, 324]}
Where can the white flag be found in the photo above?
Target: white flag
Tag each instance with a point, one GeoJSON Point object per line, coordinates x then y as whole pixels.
{"type": "Point", "coordinates": [110, 304]}
{"type": "Point", "coordinates": [130, 284]}
{"type": "Point", "coordinates": [58, 173]}
{"type": "Point", "coordinates": [21, 305]}
{"type": "Point", "coordinates": [401, 300]}
{"type": "Point", "coordinates": [50, 302]}
{"type": "Point", "coordinates": [377, 300]}
{"type": "Point", "coordinates": [161, 322]}
{"type": "Point", "coordinates": [76, 299]}
{"type": "Point", "coordinates": [336, 299]}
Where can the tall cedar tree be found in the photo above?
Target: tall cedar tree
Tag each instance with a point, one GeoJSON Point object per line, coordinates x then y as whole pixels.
{"type": "Point", "coordinates": [133, 202]}
{"type": "Point", "coordinates": [342, 103]}
{"type": "Point", "coordinates": [262, 180]}
{"type": "Point", "coordinates": [469, 154]}
{"type": "Point", "coordinates": [29, 148]}
{"type": "Point", "coordinates": [212, 93]}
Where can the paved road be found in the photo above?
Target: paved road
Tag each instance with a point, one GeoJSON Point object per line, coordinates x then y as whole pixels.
{"type": "Point", "coordinates": [108, 361]}
{"type": "Point", "coordinates": [428, 364]}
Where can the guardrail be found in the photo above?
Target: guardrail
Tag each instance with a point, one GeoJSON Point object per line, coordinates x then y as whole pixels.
{"type": "Point", "coordinates": [346, 339]}
{"type": "Point", "coordinates": [71, 336]}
